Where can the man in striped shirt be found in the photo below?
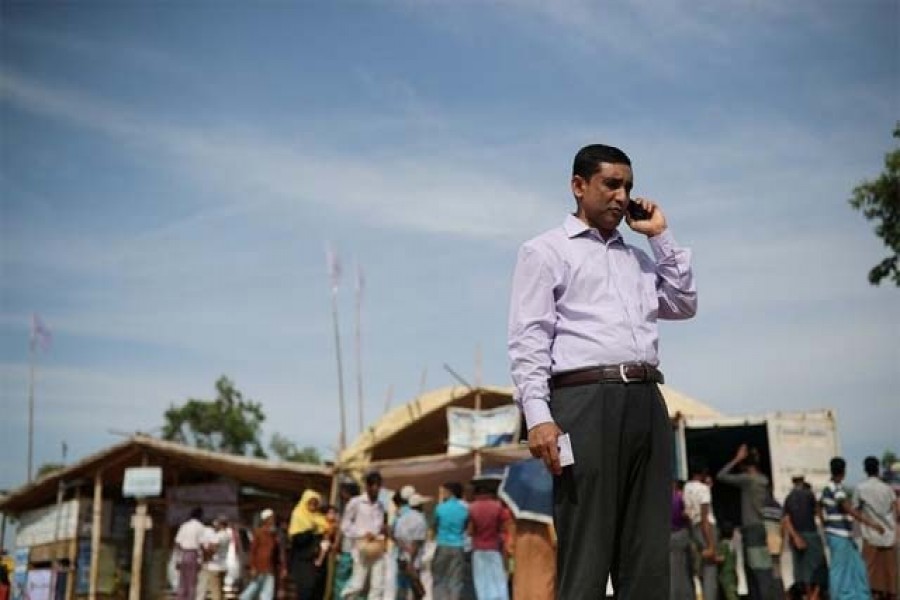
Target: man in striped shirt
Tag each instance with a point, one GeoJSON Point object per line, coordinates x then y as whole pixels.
{"type": "Point", "coordinates": [847, 575]}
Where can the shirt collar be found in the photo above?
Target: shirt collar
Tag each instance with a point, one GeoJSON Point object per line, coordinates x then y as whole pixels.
{"type": "Point", "coordinates": [575, 227]}
{"type": "Point", "coordinates": [369, 501]}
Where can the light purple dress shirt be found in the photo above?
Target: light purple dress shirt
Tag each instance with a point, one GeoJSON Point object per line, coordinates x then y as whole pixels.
{"type": "Point", "coordinates": [579, 301]}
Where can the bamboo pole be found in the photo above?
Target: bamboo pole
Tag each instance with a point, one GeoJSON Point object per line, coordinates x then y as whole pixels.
{"type": "Point", "coordinates": [95, 535]}
{"type": "Point", "coordinates": [478, 406]}
{"type": "Point", "coordinates": [31, 360]}
{"type": "Point", "coordinates": [342, 440]}
{"type": "Point", "coordinates": [388, 398]}
{"type": "Point", "coordinates": [358, 336]}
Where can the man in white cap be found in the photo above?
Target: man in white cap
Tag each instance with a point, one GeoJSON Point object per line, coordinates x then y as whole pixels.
{"type": "Point", "coordinates": [410, 531]}
{"type": "Point", "coordinates": [406, 492]}
{"type": "Point", "coordinates": [261, 561]}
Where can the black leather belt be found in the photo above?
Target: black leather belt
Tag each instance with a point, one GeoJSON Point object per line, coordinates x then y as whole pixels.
{"type": "Point", "coordinates": [623, 373]}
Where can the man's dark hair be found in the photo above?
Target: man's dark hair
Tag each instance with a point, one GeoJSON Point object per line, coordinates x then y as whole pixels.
{"type": "Point", "coordinates": [454, 488]}
{"type": "Point", "coordinates": [753, 458]}
{"type": "Point", "coordinates": [482, 487]}
{"type": "Point", "coordinates": [373, 478]}
{"type": "Point", "coordinates": [197, 513]}
{"type": "Point", "coordinates": [838, 466]}
{"type": "Point", "coordinates": [587, 161]}
{"type": "Point", "coordinates": [698, 466]}
{"type": "Point", "coordinates": [870, 464]}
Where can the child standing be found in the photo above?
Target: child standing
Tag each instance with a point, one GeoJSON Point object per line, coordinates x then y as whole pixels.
{"type": "Point", "coordinates": [727, 563]}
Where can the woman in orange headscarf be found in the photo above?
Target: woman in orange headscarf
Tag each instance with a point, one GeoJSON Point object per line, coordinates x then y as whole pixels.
{"type": "Point", "coordinates": [305, 531]}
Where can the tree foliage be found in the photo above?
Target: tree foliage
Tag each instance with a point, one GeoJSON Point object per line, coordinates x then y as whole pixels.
{"type": "Point", "coordinates": [888, 459]}
{"type": "Point", "coordinates": [287, 450]}
{"type": "Point", "coordinates": [47, 468]}
{"type": "Point", "coordinates": [879, 201]}
{"type": "Point", "coordinates": [229, 423]}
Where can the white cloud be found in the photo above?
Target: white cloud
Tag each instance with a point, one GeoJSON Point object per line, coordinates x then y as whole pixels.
{"type": "Point", "coordinates": [259, 174]}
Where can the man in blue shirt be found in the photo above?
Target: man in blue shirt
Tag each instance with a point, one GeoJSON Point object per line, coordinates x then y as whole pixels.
{"type": "Point", "coordinates": [450, 520]}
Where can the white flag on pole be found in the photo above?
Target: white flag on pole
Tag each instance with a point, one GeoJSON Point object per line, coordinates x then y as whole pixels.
{"type": "Point", "coordinates": [40, 333]}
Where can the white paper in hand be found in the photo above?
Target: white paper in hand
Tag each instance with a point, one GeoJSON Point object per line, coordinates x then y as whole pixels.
{"type": "Point", "coordinates": [566, 456]}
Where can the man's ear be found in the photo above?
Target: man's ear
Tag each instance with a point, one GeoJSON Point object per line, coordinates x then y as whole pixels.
{"type": "Point", "coordinates": [578, 185]}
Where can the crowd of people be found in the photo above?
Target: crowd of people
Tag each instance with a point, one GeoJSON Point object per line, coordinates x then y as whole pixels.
{"type": "Point", "coordinates": [469, 546]}
{"type": "Point", "coordinates": [463, 549]}
{"type": "Point", "coordinates": [703, 550]}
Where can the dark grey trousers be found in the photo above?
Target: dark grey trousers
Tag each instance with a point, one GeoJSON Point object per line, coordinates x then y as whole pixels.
{"type": "Point", "coordinates": [612, 508]}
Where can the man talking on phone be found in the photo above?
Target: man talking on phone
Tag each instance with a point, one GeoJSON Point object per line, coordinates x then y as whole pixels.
{"type": "Point", "coordinates": [583, 350]}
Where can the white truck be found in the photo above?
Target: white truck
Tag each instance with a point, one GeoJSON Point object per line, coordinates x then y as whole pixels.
{"type": "Point", "coordinates": [790, 444]}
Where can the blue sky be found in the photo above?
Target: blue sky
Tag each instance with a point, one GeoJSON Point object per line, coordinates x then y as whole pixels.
{"type": "Point", "coordinates": [171, 173]}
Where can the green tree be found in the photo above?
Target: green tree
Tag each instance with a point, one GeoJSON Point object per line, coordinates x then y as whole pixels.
{"type": "Point", "coordinates": [879, 201]}
{"type": "Point", "coordinates": [888, 459]}
{"type": "Point", "coordinates": [230, 423]}
{"type": "Point", "coordinates": [287, 450]}
{"type": "Point", "coordinates": [47, 468]}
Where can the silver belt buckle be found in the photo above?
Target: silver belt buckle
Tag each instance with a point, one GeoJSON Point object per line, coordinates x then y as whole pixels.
{"type": "Point", "coordinates": [622, 373]}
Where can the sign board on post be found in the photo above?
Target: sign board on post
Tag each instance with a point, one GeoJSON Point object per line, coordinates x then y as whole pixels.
{"type": "Point", "coordinates": [474, 429]}
{"type": "Point", "coordinates": [142, 482]}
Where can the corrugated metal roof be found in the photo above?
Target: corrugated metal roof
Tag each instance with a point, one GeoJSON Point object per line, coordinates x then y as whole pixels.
{"type": "Point", "coordinates": [285, 477]}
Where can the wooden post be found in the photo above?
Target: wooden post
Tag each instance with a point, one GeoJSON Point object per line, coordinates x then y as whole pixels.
{"type": "Point", "coordinates": [141, 523]}
{"type": "Point", "coordinates": [73, 549]}
{"type": "Point", "coordinates": [96, 518]}
{"type": "Point", "coordinates": [57, 561]}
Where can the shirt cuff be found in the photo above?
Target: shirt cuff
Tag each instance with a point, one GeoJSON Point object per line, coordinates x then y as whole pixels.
{"type": "Point", "coordinates": [536, 411]}
{"type": "Point", "coordinates": [663, 245]}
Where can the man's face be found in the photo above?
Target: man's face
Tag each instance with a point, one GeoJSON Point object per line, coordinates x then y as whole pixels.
{"type": "Point", "coordinates": [372, 490]}
{"type": "Point", "coordinates": [603, 198]}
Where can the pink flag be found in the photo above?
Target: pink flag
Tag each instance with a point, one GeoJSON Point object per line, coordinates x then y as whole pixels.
{"type": "Point", "coordinates": [334, 267]}
{"type": "Point", "coordinates": [40, 333]}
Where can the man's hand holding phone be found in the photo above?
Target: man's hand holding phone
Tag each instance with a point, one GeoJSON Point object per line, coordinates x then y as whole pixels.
{"type": "Point", "coordinates": [644, 216]}
{"type": "Point", "coordinates": [542, 443]}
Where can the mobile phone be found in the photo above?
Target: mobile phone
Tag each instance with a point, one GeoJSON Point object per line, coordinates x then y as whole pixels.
{"type": "Point", "coordinates": [636, 211]}
{"type": "Point", "coordinates": [564, 445]}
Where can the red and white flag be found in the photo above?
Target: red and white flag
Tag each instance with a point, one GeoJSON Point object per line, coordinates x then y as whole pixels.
{"type": "Point", "coordinates": [40, 333]}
